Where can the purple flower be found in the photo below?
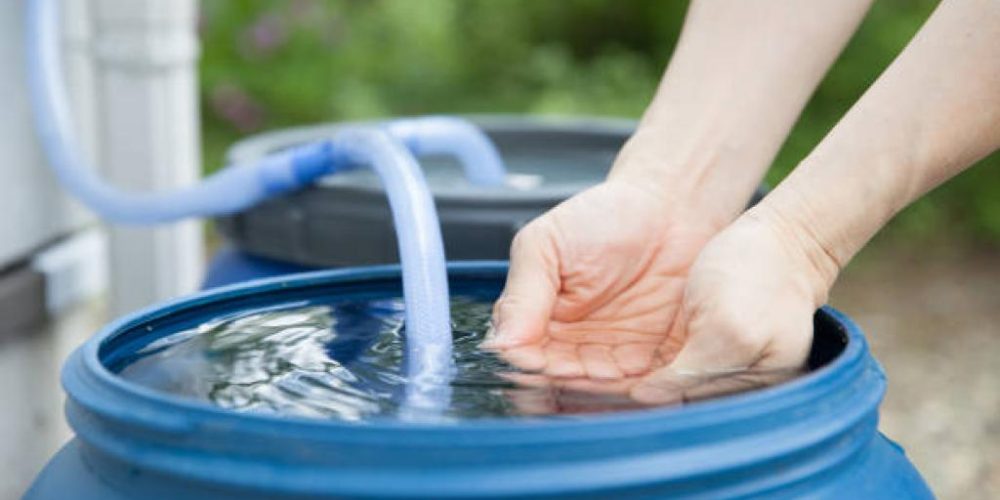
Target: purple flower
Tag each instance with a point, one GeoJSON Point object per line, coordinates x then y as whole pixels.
{"type": "Point", "coordinates": [263, 37]}
{"type": "Point", "coordinates": [234, 106]}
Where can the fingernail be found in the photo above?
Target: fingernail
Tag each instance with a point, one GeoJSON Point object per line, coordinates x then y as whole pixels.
{"type": "Point", "coordinates": [497, 337]}
{"type": "Point", "coordinates": [490, 340]}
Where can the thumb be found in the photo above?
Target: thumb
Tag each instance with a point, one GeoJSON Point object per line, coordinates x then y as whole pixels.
{"type": "Point", "coordinates": [521, 314]}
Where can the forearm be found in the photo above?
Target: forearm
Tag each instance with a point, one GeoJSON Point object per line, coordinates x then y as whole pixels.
{"type": "Point", "coordinates": [934, 112]}
{"type": "Point", "coordinates": [740, 76]}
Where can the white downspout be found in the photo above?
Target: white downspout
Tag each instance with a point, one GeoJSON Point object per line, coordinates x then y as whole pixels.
{"type": "Point", "coordinates": [146, 120]}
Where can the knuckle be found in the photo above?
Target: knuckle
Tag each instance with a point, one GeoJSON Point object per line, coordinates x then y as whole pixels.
{"type": "Point", "coordinates": [511, 305]}
{"type": "Point", "coordinates": [518, 243]}
{"type": "Point", "coordinates": [535, 242]}
{"type": "Point", "coordinates": [529, 233]}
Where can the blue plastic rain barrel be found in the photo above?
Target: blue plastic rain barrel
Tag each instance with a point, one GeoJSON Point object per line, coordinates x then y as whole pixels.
{"type": "Point", "coordinates": [815, 436]}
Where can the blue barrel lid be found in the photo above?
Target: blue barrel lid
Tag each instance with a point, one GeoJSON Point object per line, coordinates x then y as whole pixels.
{"type": "Point", "coordinates": [798, 431]}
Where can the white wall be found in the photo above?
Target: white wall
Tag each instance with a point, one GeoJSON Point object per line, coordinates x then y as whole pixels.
{"type": "Point", "coordinates": [131, 66]}
{"type": "Point", "coordinates": [149, 138]}
{"type": "Point", "coordinates": [33, 210]}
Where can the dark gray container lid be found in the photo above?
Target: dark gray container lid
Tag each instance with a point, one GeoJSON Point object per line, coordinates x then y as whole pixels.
{"type": "Point", "coordinates": [345, 221]}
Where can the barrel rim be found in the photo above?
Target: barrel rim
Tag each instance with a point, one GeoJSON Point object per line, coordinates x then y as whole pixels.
{"type": "Point", "coordinates": [852, 356]}
{"type": "Point", "coordinates": [136, 424]}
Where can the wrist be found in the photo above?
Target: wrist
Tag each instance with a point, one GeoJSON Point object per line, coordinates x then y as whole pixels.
{"type": "Point", "coordinates": [835, 201]}
{"type": "Point", "coordinates": [792, 222]}
{"type": "Point", "coordinates": [696, 172]}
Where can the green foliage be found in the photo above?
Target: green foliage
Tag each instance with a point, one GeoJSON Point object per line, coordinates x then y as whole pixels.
{"type": "Point", "coordinates": [269, 64]}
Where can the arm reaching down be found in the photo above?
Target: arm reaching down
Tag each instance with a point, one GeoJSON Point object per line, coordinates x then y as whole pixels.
{"type": "Point", "coordinates": [595, 285]}
{"type": "Point", "coordinates": [752, 292]}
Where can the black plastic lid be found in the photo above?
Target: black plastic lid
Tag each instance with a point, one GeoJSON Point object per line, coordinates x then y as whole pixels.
{"type": "Point", "coordinates": [345, 220]}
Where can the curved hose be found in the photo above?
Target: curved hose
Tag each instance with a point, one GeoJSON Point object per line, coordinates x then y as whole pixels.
{"type": "Point", "coordinates": [421, 253]}
{"type": "Point", "coordinates": [230, 190]}
{"type": "Point", "coordinates": [425, 285]}
{"type": "Point", "coordinates": [448, 135]}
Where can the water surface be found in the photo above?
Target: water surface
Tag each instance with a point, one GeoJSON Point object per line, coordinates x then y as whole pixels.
{"type": "Point", "coordinates": [341, 361]}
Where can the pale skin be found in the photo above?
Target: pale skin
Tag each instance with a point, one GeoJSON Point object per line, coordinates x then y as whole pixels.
{"type": "Point", "coordinates": [653, 285]}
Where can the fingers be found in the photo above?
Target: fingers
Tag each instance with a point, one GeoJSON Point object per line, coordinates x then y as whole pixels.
{"type": "Point", "coordinates": [718, 339]}
{"type": "Point", "coordinates": [563, 360]}
{"type": "Point", "coordinates": [530, 357]}
{"type": "Point", "coordinates": [745, 314]}
{"type": "Point", "coordinates": [541, 395]}
{"type": "Point", "coordinates": [599, 362]}
{"type": "Point", "coordinates": [521, 314]}
{"type": "Point", "coordinates": [721, 356]}
{"type": "Point", "coordinates": [733, 348]}
{"type": "Point", "coordinates": [594, 361]}
{"type": "Point", "coordinates": [717, 344]}
{"type": "Point", "coordinates": [736, 382]}
{"type": "Point", "coordinates": [633, 359]}
{"type": "Point", "coordinates": [671, 386]}
{"type": "Point", "coordinates": [532, 395]}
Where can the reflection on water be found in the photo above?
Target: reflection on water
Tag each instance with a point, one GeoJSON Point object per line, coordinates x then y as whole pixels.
{"type": "Point", "coordinates": [342, 361]}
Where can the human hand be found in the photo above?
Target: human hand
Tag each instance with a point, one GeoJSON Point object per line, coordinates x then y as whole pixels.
{"type": "Point", "coordinates": [595, 285]}
{"type": "Point", "coordinates": [743, 318]}
{"type": "Point", "coordinates": [747, 311]}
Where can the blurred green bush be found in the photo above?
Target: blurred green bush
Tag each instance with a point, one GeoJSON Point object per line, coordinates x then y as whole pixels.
{"type": "Point", "coordinates": [269, 64]}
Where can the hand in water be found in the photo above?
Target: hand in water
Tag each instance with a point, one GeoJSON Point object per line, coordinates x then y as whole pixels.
{"type": "Point", "coordinates": [746, 316]}
{"type": "Point", "coordinates": [596, 284]}
{"type": "Point", "coordinates": [606, 290]}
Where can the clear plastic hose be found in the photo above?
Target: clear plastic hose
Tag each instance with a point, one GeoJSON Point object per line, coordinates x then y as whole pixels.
{"type": "Point", "coordinates": [432, 135]}
{"type": "Point", "coordinates": [421, 252]}
{"type": "Point", "coordinates": [232, 189]}
{"type": "Point", "coordinates": [425, 284]}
